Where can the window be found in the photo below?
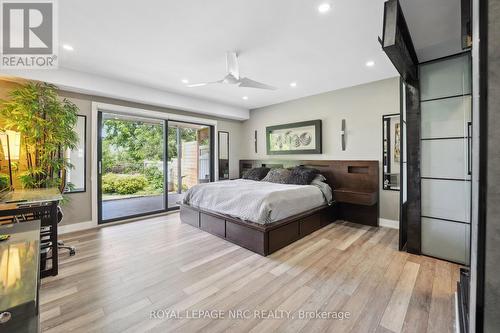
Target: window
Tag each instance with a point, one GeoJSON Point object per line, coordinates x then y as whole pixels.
{"type": "Point", "coordinates": [76, 157]}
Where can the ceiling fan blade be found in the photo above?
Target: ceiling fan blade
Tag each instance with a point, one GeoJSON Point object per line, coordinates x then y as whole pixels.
{"type": "Point", "coordinates": [197, 85]}
{"type": "Point", "coordinates": [246, 82]}
{"type": "Point", "coordinates": [232, 66]}
{"type": "Point", "coordinates": [201, 84]}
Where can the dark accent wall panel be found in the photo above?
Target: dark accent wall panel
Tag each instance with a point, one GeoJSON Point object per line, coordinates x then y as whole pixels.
{"type": "Point", "coordinates": [397, 42]}
{"type": "Point", "coordinates": [413, 203]}
{"type": "Point", "coordinates": [492, 183]}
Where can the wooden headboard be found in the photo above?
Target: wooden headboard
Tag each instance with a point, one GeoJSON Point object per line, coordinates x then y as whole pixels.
{"type": "Point", "coordinates": [356, 174]}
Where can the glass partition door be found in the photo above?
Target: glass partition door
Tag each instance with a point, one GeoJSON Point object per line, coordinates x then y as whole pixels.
{"type": "Point", "coordinates": [131, 166]}
{"type": "Point", "coordinates": [190, 159]}
{"type": "Point", "coordinates": [445, 157]}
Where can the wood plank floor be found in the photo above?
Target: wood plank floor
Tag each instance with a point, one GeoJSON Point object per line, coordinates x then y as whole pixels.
{"type": "Point", "coordinates": [122, 274]}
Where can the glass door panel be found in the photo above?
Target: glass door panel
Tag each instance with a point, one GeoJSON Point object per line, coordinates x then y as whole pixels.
{"type": "Point", "coordinates": [445, 78]}
{"type": "Point", "coordinates": [445, 239]}
{"type": "Point", "coordinates": [131, 170]}
{"type": "Point", "coordinates": [189, 158]}
{"type": "Point", "coordinates": [446, 118]}
{"type": "Point", "coordinates": [446, 199]}
{"type": "Point", "coordinates": [445, 157]}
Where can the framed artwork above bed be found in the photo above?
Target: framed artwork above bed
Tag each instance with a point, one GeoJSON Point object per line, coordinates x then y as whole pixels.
{"type": "Point", "coordinates": [294, 138]}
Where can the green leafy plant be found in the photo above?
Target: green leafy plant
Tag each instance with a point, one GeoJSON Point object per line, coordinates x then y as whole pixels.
{"type": "Point", "coordinates": [154, 177]}
{"type": "Point", "coordinates": [4, 181]}
{"type": "Point", "coordinates": [46, 125]}
{"type": "Point", "coordinates": [123, 184]}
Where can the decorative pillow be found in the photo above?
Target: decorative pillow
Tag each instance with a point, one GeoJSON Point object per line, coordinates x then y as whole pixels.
{"type": "Point", "coordinates": [278, 176]}
{"type": "Point", "coordinates": [256, 173]}
{"type": "Point", "coordinates": [318, 179]}
{"type": "Point", "coordinates": [302, 176]}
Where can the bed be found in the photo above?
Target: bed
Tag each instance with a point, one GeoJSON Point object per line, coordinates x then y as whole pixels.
{"type": "Point", "coordinates": [265, 217]}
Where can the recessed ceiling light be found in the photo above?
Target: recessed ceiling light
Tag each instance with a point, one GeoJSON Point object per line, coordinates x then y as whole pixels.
{"type": "Point", "coordinates": [185, 81]}
{"type": "Point", "coordinates": [293, 84]}
{"type": "Point", "coordinates": [245, 97]}
{"type": "Point", "coordinates": [370, 63]}
{"type": "Point", "coordinates": [324, 7]}
{"type": "Point", "coordinates": [68, 47]}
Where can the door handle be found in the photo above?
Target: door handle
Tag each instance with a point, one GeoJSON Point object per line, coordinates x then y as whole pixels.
{"type": "Point", "coordinates": [99, 167]}
{"type": "Point", "coordinates": [469, 148]}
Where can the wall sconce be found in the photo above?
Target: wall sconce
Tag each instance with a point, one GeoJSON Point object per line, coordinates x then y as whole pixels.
{"type": "Point", "coordinates": [255, 141]}
{"type": "Point", "coordinates": [342, 134]}
{"type": "Point", "coordinates": [11, 145]}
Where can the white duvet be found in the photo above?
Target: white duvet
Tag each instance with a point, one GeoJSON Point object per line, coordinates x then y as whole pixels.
{"type": "Point", "coordinates": [259, 202]}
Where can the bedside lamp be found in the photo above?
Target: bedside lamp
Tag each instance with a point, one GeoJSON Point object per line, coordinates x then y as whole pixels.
{"type": "Point", "coordinates": [11, 145]}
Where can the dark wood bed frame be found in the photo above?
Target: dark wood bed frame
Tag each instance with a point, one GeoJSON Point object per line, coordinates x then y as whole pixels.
{"type": "Point", "coordinates": [355, 185]}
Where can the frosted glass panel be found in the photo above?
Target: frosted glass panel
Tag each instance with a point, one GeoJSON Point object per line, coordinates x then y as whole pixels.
{"type": "Point", "coordinates": [467, 244]}
{"type": "Point", "coordinates": [446, 199]}
{"type": "Point", "coordinates": [444, 159]}
{"type": "Point", "coordinates": [445, 78]}
{"type": "Point", "coordinates": [446, 240]}
{"type": "Point", "coordinates": [446, 117]}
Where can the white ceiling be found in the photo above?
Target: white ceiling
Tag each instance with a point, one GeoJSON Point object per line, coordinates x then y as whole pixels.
{"type": "Point", "coordinates": [158, 43]}
{"type": "Point", "coordinates": [140, 50]}
{"type": "Point", "coordinates": [435, 27]}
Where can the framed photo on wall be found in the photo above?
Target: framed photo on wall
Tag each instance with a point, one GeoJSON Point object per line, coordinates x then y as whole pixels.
{"type": "Point", "coordinates": [294, 138]}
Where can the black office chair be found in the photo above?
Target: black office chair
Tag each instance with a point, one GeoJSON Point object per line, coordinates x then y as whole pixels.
{"type": "Point", "coordinates": [60, 243]}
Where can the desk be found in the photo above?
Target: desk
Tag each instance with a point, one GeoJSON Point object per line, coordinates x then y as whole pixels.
{"type": "Point", "coordinates": [19, 282]}
{"type": "Point", "coordinates": [31, 196]}
{"type": "Point", "coordinates": [36, 204]}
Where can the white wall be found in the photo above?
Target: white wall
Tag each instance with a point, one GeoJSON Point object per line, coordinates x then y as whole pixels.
{"type": "Point", "coordinates": [234, 129]}
{"type": "Point", "coordinates": [362, 107]}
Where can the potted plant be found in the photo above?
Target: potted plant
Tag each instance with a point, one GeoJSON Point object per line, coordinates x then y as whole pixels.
{"type": "Point", "coordinates": [46, 124]}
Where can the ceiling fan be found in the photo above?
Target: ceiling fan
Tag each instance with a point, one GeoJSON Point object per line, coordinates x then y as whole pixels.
{"type": "Point", "coordinates": [233, 76]}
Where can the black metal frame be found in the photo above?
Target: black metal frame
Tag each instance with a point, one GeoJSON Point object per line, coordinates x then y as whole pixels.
{"type": "Point", "coordinates": [165, 171]}
{"type": "Point", "coordinates": [218, 153]}
{"type": "Point", "coordinates": [318, 138]}
{"type": "Point", "coordinates": [403, 223]}
{"type": "Point", "coordinates": [413, 204]}
{"type": "Point", "coordinates": [387, 118]}
{"type": "Point", "coordinates": [84, 158]}
{"type": "Point", "coordinates": [483, 164]}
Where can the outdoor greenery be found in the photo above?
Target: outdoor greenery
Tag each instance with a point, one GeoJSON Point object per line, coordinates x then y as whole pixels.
{"type": "Point", "coordinates": [4, 181]}
{"type": "Point", "coordinates": [127, 146]}
{"type": "Point", "coordinates": [123, 184]}
{"type": "Point", "coordinates": [154, 177]}
{"type": "Point", "coordinates": [46, 125]}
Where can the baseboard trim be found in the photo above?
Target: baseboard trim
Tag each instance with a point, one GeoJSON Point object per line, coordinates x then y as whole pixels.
{"type": "Point", "coordinates": [65, 229]}
{"type": "Point", "coordinates": [393, 224]}
{"type": "Point", "coordinates": [68, 228]}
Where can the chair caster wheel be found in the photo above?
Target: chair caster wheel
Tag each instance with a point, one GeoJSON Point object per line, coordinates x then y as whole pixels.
{"type": "Point", "coordinates": [72, 252]}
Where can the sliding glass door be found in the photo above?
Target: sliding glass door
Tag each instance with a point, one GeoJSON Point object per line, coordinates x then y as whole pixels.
{"type": "Point", "coordinates": [131, 168]}
{"type": "Point", "coordinates": [145, 164]}
{"type": "Point", "coordinates": [445, 157]}
{"type": "Point", "coordinates": [189, 158]}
